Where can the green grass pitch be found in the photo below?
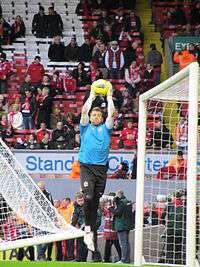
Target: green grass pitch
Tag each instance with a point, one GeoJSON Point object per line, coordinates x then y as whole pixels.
{"type": "Point", "coordinates": [61, 264]}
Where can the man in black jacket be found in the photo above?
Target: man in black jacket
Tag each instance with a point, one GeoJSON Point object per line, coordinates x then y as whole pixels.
{"type": "Point", "coordinates": [54, 23]}
{"type": "Point", "coordinates": [56, 50]}
{"type": "Point", "coordinates": [61, 138]}
{"type": "Point", "coordinates": [41, 249]}
{"type": "Point", "coordinates": [39, 24]}
{"type": "Point", "coordinates": [85, 51]}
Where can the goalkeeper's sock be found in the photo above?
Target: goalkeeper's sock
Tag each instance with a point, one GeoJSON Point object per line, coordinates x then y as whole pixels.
{"type": "Point", "coordinates": [89, 238]}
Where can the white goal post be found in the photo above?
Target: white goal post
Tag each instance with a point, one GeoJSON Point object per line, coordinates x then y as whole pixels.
{"type": "Point", "coordinates": [181, 88]}
{"type": "Point", "coordinates": [27, 217]}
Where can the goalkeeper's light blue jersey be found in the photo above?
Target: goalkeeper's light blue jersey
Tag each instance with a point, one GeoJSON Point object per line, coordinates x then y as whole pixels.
{"type": "Point", "coordinates": [95, 141]}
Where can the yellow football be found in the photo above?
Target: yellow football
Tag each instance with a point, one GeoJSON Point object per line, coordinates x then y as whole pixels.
{"type": "Point", "coordinates": [100, 87]}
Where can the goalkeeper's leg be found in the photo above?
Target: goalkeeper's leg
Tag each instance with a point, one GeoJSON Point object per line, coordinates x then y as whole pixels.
{"type": "Point", "coordinates": [93, 180]}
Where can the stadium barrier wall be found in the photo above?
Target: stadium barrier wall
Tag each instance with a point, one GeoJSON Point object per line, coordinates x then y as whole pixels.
{"type": "Point", "coordinates": [60, 162]}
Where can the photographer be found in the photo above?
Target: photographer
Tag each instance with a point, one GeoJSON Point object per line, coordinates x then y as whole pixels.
{"type": "Point", "coordinates": [123, 223]}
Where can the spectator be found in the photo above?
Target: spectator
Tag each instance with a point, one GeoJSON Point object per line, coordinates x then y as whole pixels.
{"type": "Point", "coordinates": [133, 173]}
{"type": "Point", "coordinates": [36, 71]}
{"type": "Point", "coordinates": [80, 75]}
{"type": "Point", "coordinates": [162, 137]}
{"type": "Point", "coordinates": [20, 143]}
{"type": "Point", "coordinates": [5, 127]}
{"type": "Point", "coordinates": [183, 58]}
{"type": "Point", "coordinates": [42, 132]}
{"type": "Point", "coordinates": [118, 120]}
{"type": "Point", "coordinates": [104, 19]}
{"type": "Point", "coordinates": [32, 142]}
{"type": "Point", "coordinates": [174, 218]}
{"type": "Point", "coordinates": [69, 83]}
{"type": "Point", "coordinates": [5, 32]}
{"type": "Point", "coordinates": [114, 61]}
{"type": "Point", "coordinates": [56, 50]}
{"type": "Point", "coordinates": [133, 22]}
{"type": "Point", "coordinates": [15, 118]}
{"type": "Point", "coordinates": [178, 162]}
{"type": "Point", "coordinates": [78, 221]}
{"type": "Point", "coordinates": [127, 104]}
{"type": "Point", "coordinates": [85, 51]}
{"type": "Point", "coordinates": [121, 172]}
{"type": "Point", "coordinates": [118, 24]}
{"type": "Point", "coordinates": [3, 106]}
{"type": "Point", "coordinates": [195, 14]}
{"type": "Point", "coordinates": [60, 138]}
{"type": "Point", "coordinates": [83, 8]}
{"type": "Point", "coordinates": [66, 210]}
{"type": "Point", "coordinates": [128, 136]}
{"type": "Point", "coordinates": [123, 223]}
{"type": "Point", "coordinates": [77, 141]}
{"type": "Point", "coordinates": [72, 51]}
{"type": "Point", "coordinates": [97, 46]}
{"type": "Point", "coordinates": [18, 28]}
{"type": "Point", "coordinates": [46, 142]}
{"type": "Point", "coordinates": [70, 126]}
{"type": "Point", "coordinates": [28, 109]}
{"type": "Point", "coordinates": [181, 134]}
{"type": "Point", "coordinates": [44, 108]}
{"type": "Point", "coordinates": [56, 116]}
{"type": "Point", "coordinates": [97, 32]}
{"type": "Point", "coordinates": [54, 23]}
{"type": "Point", "coordinates": [5, 72]}
{"type": "Point", "coordinates": [75, 172]}
{"type": "Point", "coordinates": [45, 83]}
{"type": "Point", "coordinates": [110, 235]}
{"type": "Point", "coordinates": [149, 80]}
{"type": "Point", "coordinates": [56, 84]}
{"type": "Point", "coordinates": [133, 79]}
{"type": "Point", "coordinates": [39, 24]}
{"type": "Point", "coordinates": [99, 59]}
{"type": "Point", "coordinates": [94, 73]}
{"type": "Point", "coordinates": [177, 16]}
{"type": "Point", "coordinates": [41, 249]}
{"type": "Point", "coordinates": [124, 39]}
{"type": "Point", "coordinates": [117, 98]}
{"type": "Point", "coordinates": [154, 57]}
{"type": "Point", "coordinates": [26, 85]}
{"type": "Point", "coordinates": [130, 54]}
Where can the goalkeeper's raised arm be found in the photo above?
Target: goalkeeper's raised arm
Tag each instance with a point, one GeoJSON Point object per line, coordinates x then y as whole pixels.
{"type": "Point", "coordinates": [111, 108]}
{"type": "Point", "coordinates": [86, 108]}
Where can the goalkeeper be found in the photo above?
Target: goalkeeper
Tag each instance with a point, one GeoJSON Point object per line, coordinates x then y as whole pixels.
{"type": "Point", "coordinates": [93, 158]}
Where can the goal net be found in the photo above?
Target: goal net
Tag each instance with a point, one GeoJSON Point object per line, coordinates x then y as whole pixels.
{"type": "Point", "coordinates": [26, 215]}
{"type": "Point", "coordinates": [168, 191]}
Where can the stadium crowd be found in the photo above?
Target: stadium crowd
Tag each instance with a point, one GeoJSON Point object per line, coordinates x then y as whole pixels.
{"type": "Point", "coordinates": [44, 113]}
{"type": "Point", "coordinates": [33, 117]}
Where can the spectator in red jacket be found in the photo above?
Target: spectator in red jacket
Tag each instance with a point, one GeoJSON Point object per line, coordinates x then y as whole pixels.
{"type": "Point", "coordinates": [18, 28]}
{"type": "Point", "coordinates": [5, 71]}
{"type": "Point", "coordinates": [128, 136]}
{"type": "Point", "coordinates": [69, 83]}
{"type": "Point", "coordinates": [40, 134]}
{"type": "Point", "coordinates": [56, 84]}
{"type": "Point", "coordinates": [36, 71]}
